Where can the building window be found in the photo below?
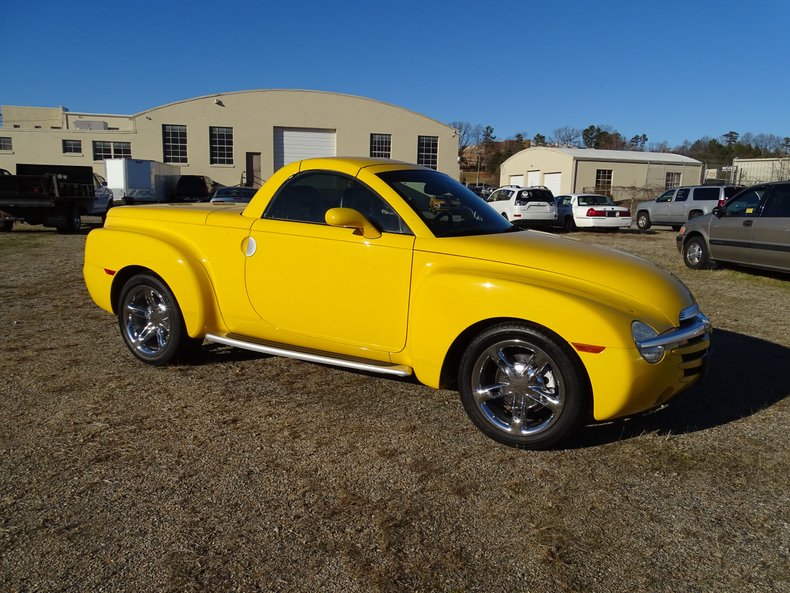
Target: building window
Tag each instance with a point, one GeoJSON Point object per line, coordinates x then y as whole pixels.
{"type": "Point", "coordinates": [72, 147]}
{"type": "Point", "coordinates": [427, 151]}
{"type": "Point", "coordinates": [603, 181]}
{"type": "Point", "coordinates": [174, 143]}
{"type": "Point", "coordinates": [221, 146]}
{"type": "Point", "coordinates": [380, 146]}
{"type": "Point", "coordinates": [673, 180]}
{"type": "Point", "coordinates": [5, 143]}
{"type": "Point", "coordinates": [111, 150]}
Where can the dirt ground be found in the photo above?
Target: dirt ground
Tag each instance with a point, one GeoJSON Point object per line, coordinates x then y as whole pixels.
{"type": "Point", "coordinates": [251, 473]}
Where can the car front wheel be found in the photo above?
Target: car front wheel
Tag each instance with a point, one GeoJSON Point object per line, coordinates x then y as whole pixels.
{"type": "Point", "coordinates": [523, 386]}
{"type": "Point", "coordinates": [643, 221]}
{"type": "Point", "coordinates": [695, 254]}
{"type": "Point", "coordinates": [151, 322]}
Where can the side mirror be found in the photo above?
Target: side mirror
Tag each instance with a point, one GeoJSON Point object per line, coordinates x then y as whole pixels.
{"type": "Point", "coordinates": [717, 211]}
{"type": "Point", "coordinates": [352, 219]}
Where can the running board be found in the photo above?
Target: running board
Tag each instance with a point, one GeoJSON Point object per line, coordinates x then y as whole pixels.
{"type": "Point", "coordinates": [360, 364]}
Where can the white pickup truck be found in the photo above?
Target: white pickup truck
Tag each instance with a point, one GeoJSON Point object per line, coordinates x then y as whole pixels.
{"type": "Point", "coordinates": [680, 204]}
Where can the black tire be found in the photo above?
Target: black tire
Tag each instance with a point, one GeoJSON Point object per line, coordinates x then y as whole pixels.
{"type": "Point", "coordinates": [523, 386]}
{"type": "Point", "coordinates": [569, 224]}
{"type": "Point", "coordinates": [642, 220]}
{"type": "Point", "coordinates": [72, 223]}
{"type": "Point", "coordinates": [504, 215]}
{"type": "Point", "coordinates": [696, 255]}
{"type": "Point", "coordinates": [676, 227]}
{"type": "Point", "coordinates": [151, 322]}
{"type": "Point", "coordinates": [6, 226]}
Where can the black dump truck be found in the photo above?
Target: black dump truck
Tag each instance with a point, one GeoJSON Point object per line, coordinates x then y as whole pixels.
{"type": "Point", "coordinates": [53, 196]}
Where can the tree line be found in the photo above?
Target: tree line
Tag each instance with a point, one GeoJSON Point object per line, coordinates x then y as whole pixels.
{"type": "Point", "coordinates": [715, 152]}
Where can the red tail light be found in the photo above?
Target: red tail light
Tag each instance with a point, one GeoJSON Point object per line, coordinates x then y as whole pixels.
{"type": "Point", "coordinates": [594, 212]}
{"type": "Point", "coordinates": [623, 213]}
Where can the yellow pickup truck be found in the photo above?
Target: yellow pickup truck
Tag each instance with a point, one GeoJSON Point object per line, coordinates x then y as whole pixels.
{"type": "Point", "coordinates": [393, 268]}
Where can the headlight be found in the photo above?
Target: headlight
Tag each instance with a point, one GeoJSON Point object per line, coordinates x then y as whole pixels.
{"type": "Point", "coordinates": [642, 333]}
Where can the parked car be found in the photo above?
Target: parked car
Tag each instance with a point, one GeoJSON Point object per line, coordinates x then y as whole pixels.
{"type": "Point", "coordinates": [529, 205]}
{"type": "Point", "coordinates": [233, 195]}
{"type": "Point", "coordinates": [591, 211]}
{"type": "Point", "coordinates": [751, 229]}
{"type": "Point", "coordinates": [194, 188]}
{"type": "Point", "coordinates": [482, 189]}
{"type": "Point", "coordinates": [392, 268]}
{"type": "Point", "coordinates": [675, 206]}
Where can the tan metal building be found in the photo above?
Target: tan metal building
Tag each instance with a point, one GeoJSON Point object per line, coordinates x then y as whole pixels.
{"type": "Point", "coordinates": [615, 172]}
{"type": "Point", "coordinates": [234, 138]}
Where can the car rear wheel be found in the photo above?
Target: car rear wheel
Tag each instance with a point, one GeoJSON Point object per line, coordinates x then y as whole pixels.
{"type": "Point", "coordinates": [151, 322]}
{"type": "Point", "coordinates": [695, 254]}
{"type": "Point", "coordinates": [523, 386]}
{"type": "Point", "coordinates": [570, 224]}
{"type": "Point", "coordinates": [6, 226]}
{"type": "Point", "coordinates": [642, 221]}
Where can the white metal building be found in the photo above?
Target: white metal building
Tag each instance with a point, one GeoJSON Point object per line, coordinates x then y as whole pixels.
{"type": "Point", "coordinates": [575, 170]}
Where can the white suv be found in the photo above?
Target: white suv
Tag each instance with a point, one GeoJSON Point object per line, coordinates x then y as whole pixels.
{"type": "Point", "coordinates": [518, 203]}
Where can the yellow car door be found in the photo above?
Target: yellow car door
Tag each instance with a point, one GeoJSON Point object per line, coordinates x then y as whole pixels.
{"type": "Point", "coordinates": [325, 282]}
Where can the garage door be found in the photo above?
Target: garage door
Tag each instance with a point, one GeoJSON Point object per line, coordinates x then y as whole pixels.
{"type": "Point", "coordinates": [553, 181]}
{"type": "Point", "coordinates": [516, 180]}
{"type": "Point", "coordinates": [295, 144]}
{"type": "Point", "coordinates": [533, 177]}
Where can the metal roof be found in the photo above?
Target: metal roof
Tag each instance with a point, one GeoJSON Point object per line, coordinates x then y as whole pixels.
{"type": "Point", "coordinates": [595, 154]}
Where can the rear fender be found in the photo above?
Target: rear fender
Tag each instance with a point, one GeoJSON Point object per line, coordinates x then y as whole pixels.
{"type": "Point", "coordinates": [113, 256]}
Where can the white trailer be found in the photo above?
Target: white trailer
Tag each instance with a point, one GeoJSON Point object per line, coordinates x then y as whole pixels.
{"type": "Point", "coordinates": [135, 180]}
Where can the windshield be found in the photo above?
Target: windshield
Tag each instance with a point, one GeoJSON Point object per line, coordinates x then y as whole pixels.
{"type": "Point", "coordinates": [448, 208]}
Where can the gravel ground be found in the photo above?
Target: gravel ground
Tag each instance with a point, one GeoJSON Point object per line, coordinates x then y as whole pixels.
{"type": "Point", "coordinates": [251, 473]}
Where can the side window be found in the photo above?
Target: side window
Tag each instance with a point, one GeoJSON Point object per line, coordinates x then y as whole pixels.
{"type": "Point", "coordinates": [706, 193]}
{"type": "Point", "coordinates": [666, 196]}
{"type": "Point", "coordinates": [682, 194]}
{"type": "Point", "coordinates": [777, 204]}
{"type": "Point", "coordinates": [496, 196]}
{"type": "Point", "coordinates": [376, 210]}
{"type": "Point", "coordinates": [307, 197]}
{"type": "Point", "coordinates": [746, 203]}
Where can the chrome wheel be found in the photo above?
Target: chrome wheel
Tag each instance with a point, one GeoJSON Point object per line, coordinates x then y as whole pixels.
{"type": "Point", "coordinates": [147, 320]}
{"type": "Point", "coordinates": [522, 386]}
{"type": "Point", "coordinates": [151, 323]}
{"type": "Point", "coordinates": [517, 387]}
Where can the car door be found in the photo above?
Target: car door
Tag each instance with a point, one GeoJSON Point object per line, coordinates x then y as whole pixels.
{"type": "Point", "coordinates": [500, 200]}
{"type": "Point", "coordinates": [771, 235]}
{"type": "Point", "coordinates": [731, 231]}
{"type": "Point", "coordinates": [659, 213]}
{"type": "Point", "coordinates": [676, 209]}
{"type": "Point", "coordinates": [330, 283]}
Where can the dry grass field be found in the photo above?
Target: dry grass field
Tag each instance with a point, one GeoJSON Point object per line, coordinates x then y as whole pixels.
{"type": "Point", "coordinates": [244, 473]}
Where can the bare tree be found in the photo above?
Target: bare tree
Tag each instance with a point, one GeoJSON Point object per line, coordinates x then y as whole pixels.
{"type": "Point", "coordinates": [465, 131]}
{"type": "Point", "coordinates": [566, 136]}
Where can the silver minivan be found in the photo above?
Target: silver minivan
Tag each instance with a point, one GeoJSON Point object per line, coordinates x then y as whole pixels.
{"type": "Point", "coordinates": [751, 229]}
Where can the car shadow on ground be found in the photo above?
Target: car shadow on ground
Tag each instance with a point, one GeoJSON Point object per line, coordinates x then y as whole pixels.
{"type": "Point", "coordinates": [745, 375]}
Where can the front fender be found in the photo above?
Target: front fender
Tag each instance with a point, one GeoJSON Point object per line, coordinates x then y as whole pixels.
{"type": "Point", "coordinates": [445, 303]}
{"type": "Point", "coordinates": [112, 256]}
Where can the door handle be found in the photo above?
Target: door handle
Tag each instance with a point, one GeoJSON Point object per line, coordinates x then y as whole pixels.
{"type": "Point", "coordinates": [748, 222]}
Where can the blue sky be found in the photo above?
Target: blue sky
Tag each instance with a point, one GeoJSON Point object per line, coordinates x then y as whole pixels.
{"type": "Point", "coordinates": [673, 70]}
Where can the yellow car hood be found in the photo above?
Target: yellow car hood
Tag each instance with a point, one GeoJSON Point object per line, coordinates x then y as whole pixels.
{"type": "Point", "coordinates": [623, 280]}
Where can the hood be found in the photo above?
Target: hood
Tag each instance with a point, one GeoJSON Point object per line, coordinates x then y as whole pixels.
{"type": "Point", "coordinates": [624, 280]}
